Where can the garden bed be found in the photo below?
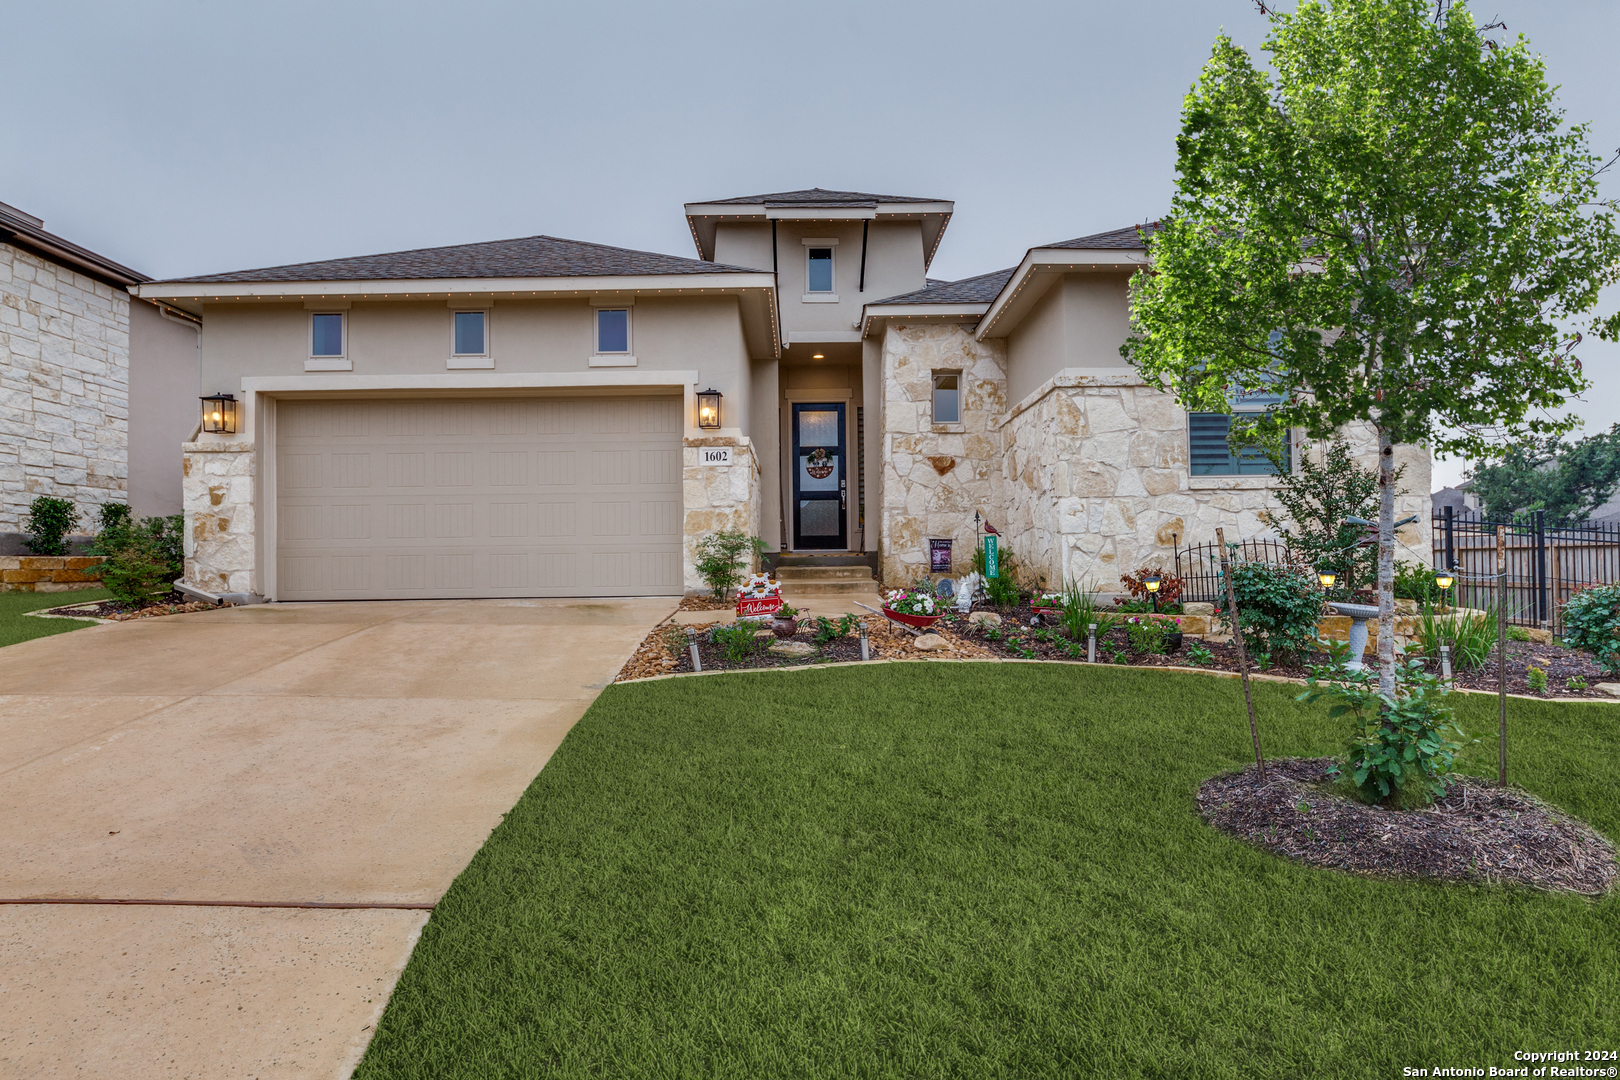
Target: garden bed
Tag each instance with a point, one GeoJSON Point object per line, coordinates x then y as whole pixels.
{"type": "Point", "coordinates": [1475, 833]}
{"type": "Point", "coordinates": [175, 603]}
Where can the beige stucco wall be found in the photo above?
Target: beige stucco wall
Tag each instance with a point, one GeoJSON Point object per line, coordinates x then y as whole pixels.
{"type": "Point", "coordinates": [1081, 321]}
{"type": "Point", "coordinates": [163, 408]}
{"type": "Point", "coordinates": [935, 477]}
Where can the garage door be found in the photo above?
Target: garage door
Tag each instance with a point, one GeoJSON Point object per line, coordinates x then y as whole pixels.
{"type": "Point", "coordinates": [403, 499]}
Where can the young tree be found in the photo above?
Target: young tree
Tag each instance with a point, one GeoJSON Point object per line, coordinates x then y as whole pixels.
{"type": "Point", "coordinates": [1390, 231]}
{"type": "Point", "coordinates": [1568, 480]}
{"type": "Point", "coordinates": [1316, 499]}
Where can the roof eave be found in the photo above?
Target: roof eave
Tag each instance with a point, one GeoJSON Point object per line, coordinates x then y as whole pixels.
{"type": "Point", "coordinates": [719, 281]}
{"type": "Point", "coordinates": [874, 313]}
{"type": "Point", "coordinates": [1036, 273]}
{"type": "Point", "coordinates": [24, 235]}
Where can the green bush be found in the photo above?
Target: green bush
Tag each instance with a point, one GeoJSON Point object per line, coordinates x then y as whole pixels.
{"type": "Point", "coordinates": [1147, 635]}
{"type": "Point", "coordinates": [738, 640]}
{"type": "Point", "coordinates": [1003, 590]}
{"type": "Point", "coordinates": [1402, 750]}
{"type": "Point", "coordinates": [1414, 581]}
{"type": "Point", "coordinates": [141, 561]}
{"type": "Point", "coordinates": [1278, 605]}
{"type": "Point", "coordinates": [721, 563]}
{"type": "Point", "coordinates": [1078, 606]}
{"type": "Point", "coordinates": [48, 523]}
{"type": "Point", "coordinates": [1592, 624]}
{"type": "Point", "coordinates": [828, 631]}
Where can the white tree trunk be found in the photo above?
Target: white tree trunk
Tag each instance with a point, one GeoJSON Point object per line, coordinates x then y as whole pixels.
{"type": "Point", "coordinates": [1386, 564]}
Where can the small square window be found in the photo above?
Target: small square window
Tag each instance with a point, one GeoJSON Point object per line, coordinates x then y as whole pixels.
{"type": "Point", "coordinates": [818, 275]}
{"type": "Point", "coordinates": [947, 397]}
{"type": "Point", "coordinates": [612, 330]}
{"type": "Point", "coordinates": [326, 334]}
{"type": "Point", "coordinates": [470, 333]}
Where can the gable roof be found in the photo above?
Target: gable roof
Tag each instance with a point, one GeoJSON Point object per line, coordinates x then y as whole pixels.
{"type": "Point", "coordinates": [1126, 239]}
{"type": "Point", "coordinates": [974, 290]}
{"type": "Point", "coordinates": [526, 257]}
{"type": "Point", "coordinates": [26, 231]}
{"type": "Point", "coordinates": [817, 197]}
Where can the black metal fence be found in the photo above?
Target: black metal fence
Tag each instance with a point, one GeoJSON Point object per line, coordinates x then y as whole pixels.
{"type": "Point", "coordinates": [1545, 563]}
{"type": "Point", "coordinates": [1199, 566]}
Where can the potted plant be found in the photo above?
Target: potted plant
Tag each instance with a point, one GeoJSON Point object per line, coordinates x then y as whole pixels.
{"type": "Point", "coordinates": [916, 608]}
{"type": "Point", "coordinates": [786, 623]}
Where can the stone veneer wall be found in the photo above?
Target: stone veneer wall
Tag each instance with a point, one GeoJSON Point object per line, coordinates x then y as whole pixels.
{"type": "Point", "coordinates": [1096, 482]}
{"type": "Point", "coordinates": [46, 573]}
{"type": "Point", "coordinates": [716, 498]}
{"type": "Point", "coordinates": [64, 387]}
{"type": "Point", "coordinates": [935, 476]}
{"type": "Point", "coordinates": [219, 493]}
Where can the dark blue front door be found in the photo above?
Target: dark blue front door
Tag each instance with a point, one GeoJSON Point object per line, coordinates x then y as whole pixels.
{"type": "Point", "coordinates": [820, 489]}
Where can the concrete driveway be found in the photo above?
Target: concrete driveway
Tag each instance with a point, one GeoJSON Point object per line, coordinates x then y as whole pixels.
{"type": "Point", "coordinates": [295, 752]}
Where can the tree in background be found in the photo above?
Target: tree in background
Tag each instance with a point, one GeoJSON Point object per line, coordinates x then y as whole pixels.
{"type": "Point", "coordinates": [1391, 231]}
{"type": "Point", "coordinates": [1569, 480]}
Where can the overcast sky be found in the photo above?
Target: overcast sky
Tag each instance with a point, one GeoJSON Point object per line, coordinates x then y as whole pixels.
{"type": "Point", "coordinates": [191, 137]}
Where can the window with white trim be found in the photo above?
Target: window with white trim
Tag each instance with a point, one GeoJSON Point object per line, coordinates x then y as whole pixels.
{"type": "Point", "coordinates": [471, 333]}
{"type": "Point", "coordinates": [818, 269]}
{"type": "Point", "coordinates": [947, 402]}
{"type": "Point", "coordinates": [612, 330]}
{"type": "Point", "coordinates": [326, 334]}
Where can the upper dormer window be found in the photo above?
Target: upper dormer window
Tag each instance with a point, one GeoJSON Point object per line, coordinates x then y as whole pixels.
{"type": "Point", "coordinates": [612, 330]}
{"type": "Point", "coordinates": [326, 334]}
{"type": "Point", "coordinates": [470, 336]}
{"type": "Point", "coordinates": [818, 269]}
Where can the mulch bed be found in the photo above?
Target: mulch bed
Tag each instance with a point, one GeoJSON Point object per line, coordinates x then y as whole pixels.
{"type": "Point", "coordinates": [174, 604]}
{"type": "Point", "coordinates": [1476, 833]}
{"type": "Point", "coordinates": [1559, 663]}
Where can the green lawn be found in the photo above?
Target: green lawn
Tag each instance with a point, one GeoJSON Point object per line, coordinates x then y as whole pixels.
{"type": "Point", "coordinates": [14, 627]}
{"type": "Point", "coordinates": [978, 871]}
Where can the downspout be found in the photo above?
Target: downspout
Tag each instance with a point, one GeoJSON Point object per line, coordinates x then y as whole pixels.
{"type": "Point", "coordinates": [866, 224]}
{"type": "Point", "coordinates": [776, 272]}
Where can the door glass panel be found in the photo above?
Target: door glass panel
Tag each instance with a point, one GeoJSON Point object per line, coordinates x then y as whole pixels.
{"type": "Point", "coordinates": [819, 517]}
{"type": "Point", "coordinates": [818, 427]}
{"type": "Point", "coordinates": [818, 469]}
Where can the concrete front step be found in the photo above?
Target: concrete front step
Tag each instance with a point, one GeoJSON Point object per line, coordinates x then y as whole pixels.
{"type": "Point", "coordinates": [786, 574]}
{"type": "Point", "coordinates": [827, 588]}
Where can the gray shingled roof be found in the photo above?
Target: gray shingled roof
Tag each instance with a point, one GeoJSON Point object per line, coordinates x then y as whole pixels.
{"type": "Point", "coordinates": [974, 290]}
{"type": "Point", "coordinates": [817, 197]}
{"type": "Point", "coordinates": [530, 256]}
{"type": "Point", "coordinates": [1127, 239]}
{"type": "Point", "coordinates": [24, 230]}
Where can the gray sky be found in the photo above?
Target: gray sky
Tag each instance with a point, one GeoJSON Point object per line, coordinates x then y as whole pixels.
{"type": "Point", "coordinates": [191, 137]}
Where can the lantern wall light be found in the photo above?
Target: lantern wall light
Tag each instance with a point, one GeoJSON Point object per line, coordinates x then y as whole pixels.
{"type": "Point", "coordinates": [708, 405]}
{"type": "Point", "coordinates": [1327, 578]}
{"type": "Point", "coordinates": [219, 414]}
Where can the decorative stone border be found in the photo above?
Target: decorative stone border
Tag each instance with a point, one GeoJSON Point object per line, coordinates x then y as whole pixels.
{"type": "Point", "coordinates": [48, 573]}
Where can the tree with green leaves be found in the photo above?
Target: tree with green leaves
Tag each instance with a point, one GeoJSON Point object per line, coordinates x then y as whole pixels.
{"type": "Point", "coordinates": [1316, 498]}
{"type": "Point", "coordinates": [1391, 230]}
{"type": "Point", "coordinates": [1568, 480]}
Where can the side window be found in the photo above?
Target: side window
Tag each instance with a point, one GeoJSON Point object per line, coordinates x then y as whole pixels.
{"type": "Point", "coordinates": [1210, 456]}
{"type": "Point", "coordinates": [471, 339]}
{"type": "Point", "coordinates": [947, 405]}
{"type": "Point", "coordinates": [818, 270]}
{"type": "Point", "coordinates": [326, 334]}
{"type": "Point", "coordinates": [612, 330]}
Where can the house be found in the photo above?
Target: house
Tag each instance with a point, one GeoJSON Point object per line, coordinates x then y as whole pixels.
{"type": "Point", "coordinates": [94, 391]}
{"type": "Point", "coordinates": [547, 417]}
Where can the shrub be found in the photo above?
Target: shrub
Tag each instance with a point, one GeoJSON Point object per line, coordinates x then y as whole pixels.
{"type": "Point", "coordinates": [1592, 624]}
{"type": "Point", "coordinates": [1078, 611]}
{"type": "Point", "coordinates": [1147, 635]}
{"type": "Point", "coordinates": [1002, 590]}
{"type": "Point", "coordinates": [1414, 581]}
{"type": "Point", "coordinates": [1316, 499]}
{"type": "Point", "coordinates": [738, 640]}
{"type": "Point", "coordinates": [1536, 679]}
{"type": "Point", "coordinates": [1278, 605]}
{"type": "Point", "coordinates": [1471, 636]}
{"type": "Point", "coordinates": [673, 640]}
{"type": "Point", "coordinates": [720, 561]}
{"type": "Point", "coordinates": [141, 562]}
{"type": "Point", "coordinates": [48, 523]}
{"type": "Point", "coordinates": [1199, 655]}
{"type": "Point", "coordinates": [1402, 749]}
{"type": "Point", "coordinates": [1169, 586]}
{"type": "Point", "coordinates": [828, 631]}
{"type": "Point", "coordinates": [1518, 633]}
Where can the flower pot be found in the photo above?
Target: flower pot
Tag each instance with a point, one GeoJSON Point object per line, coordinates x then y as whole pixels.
{"type": "Point", "coordinates": [921, 622]}
{"type": "Point", "coordinates": [784, 628]}
{"type": "Point", "coordinates": [1172, 641]}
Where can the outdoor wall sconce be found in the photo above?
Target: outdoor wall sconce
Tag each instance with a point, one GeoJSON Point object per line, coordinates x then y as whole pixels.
{"type": "Point", "coordinates": [219, 414]}
{"type": "Point", "coordinates": [1327, 578]}
{"type": "Point", "coordinates": [709, 410]}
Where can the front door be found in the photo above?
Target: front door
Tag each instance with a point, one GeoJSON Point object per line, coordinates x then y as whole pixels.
{"type": "Point", "coordinates": [820, 490]}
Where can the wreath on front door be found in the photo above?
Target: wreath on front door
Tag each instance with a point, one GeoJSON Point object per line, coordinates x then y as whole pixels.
{"type": "Point", "coordinates": [819, 464]}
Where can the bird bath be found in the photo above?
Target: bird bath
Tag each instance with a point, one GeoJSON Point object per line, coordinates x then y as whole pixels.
{"type": "Point", "coordinates": [1359, 614]}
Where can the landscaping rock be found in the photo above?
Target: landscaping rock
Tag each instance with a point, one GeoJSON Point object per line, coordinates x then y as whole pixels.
{"type": "Point", "coordinates": [930, 643]}
{"type": "Point", "coordinates": [791, 648]}
{"type": "Point", "coordinates": [984, 618]}
{"type": "Point", "coordinates": [1197, 607]}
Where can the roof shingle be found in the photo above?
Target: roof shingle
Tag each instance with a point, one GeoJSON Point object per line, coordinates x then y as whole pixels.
{"type": "Point", "coordinates": [817, 197]}
{"type": "Point", "coordinates": [1126, 239]}
{"type": "Point", "coordinates": [974, 290]}
{"type": "Point", "coordinates": [529, 256]}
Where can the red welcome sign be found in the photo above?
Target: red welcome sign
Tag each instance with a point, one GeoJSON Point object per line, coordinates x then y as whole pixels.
{"type": "Point", "coordinates": [764, 605]}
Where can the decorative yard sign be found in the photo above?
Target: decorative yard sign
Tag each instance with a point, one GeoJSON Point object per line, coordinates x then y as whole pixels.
{"type": "Point", "coordinates": [759, 598]}
{"type": "Point", "coordinates": [939, 556]}
{"type": "Point", "coordinates": [714, 455]}
{"type": "Point", "coordinates": [990, 556]}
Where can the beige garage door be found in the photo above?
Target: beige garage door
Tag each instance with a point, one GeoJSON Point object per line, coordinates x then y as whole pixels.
{"type": "Point", "coordinates": [401, 499]}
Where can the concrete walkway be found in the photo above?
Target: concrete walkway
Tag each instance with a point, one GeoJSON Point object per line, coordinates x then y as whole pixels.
{"type": "Point", "coordinates": [296, 752]}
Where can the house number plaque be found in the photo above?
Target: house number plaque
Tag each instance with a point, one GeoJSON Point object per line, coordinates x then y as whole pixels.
{"type": "Point", "coordinates": [715, 455]}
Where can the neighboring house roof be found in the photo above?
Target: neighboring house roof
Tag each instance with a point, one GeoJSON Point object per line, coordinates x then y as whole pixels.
{"type": "Point", "coordinates": [817, 197]}
{"type": "Point", "coordinates": [28, 232]}
{"type": "Point", "coordinates": [1113, 251]}
{"type": "Point", "coordinates": [527, 257]}
{"type": "Point", "coordinates": [974, 290]}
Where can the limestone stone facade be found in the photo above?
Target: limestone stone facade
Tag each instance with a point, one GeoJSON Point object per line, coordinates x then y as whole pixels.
{"type": "Point", "coordinates": [220, 491]}
{"type": "Point", "coordinates": [64, 387]}
{"type": "Point", "coordinates": [1086, 478]}
{"type": "Point", "coordinates": [936, 476]}
{"type": "Point", "coordinates": [717, 497]}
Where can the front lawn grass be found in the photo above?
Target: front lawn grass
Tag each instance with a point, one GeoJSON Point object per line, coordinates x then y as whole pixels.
{"type": "Point", "coordinates": [976, 870]}
{"type": "Point", "coordinates": [14, 627]}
